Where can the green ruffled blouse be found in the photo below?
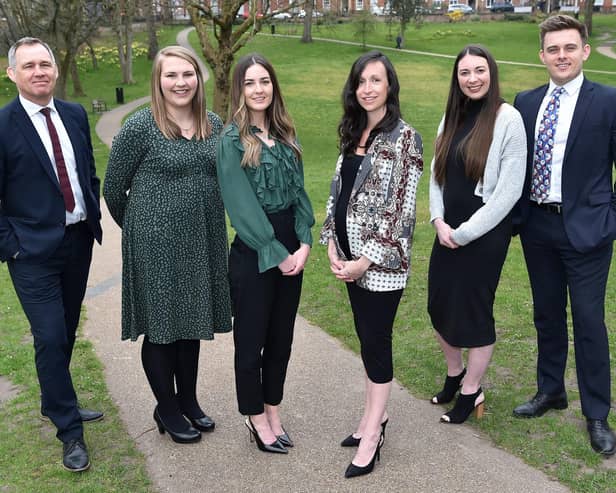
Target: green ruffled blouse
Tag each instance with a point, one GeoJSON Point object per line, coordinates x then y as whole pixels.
{"type": "Point", "coordinates": [250, 192]}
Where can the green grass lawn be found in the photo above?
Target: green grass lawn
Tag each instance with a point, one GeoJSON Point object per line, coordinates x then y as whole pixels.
{"type": "Point", "coordinates": [312, 77]}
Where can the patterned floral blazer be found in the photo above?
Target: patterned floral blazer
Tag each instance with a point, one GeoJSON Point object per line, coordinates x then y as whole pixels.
{"type": "Point", "coordinates": [381, 212]}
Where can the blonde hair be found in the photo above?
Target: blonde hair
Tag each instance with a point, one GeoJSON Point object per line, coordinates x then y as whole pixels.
{"type": "Point", "coordinates": [276, 116]}
{"type": "Point", "coordinates": [166, 125]}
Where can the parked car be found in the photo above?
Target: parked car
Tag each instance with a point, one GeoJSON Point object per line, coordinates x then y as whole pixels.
{"type": "Point", "coordinates": [315, 13]}
{"type": "Point", "coordinates": [460, 7]}
{"type": "Point", "coordinates": [501, 7]}
{"type": "Point", "coordinates": [282, 16]}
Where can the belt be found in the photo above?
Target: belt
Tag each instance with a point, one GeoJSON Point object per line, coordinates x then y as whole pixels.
{"type": "Point", "coordinates": [551, 207]}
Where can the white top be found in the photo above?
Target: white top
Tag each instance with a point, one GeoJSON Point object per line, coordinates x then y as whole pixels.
{"type": "Point", "coordinates": [502, 182]}
{"type": "Point", "coordinates": [568, 100]}
{"type": "Point", "coordinates": [40, 124]}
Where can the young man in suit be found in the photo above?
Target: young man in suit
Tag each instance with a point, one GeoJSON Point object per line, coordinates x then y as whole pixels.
{"type": "Point", "coordinates": [49, 218]}
{"type": "Point", "coordinates": [567, 223]}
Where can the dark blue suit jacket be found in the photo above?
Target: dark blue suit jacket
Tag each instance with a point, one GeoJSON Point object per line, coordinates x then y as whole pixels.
{"type": "Point", "coordinates": [588, 199]}
{"type": "Point", "coordinates": [32, 212]}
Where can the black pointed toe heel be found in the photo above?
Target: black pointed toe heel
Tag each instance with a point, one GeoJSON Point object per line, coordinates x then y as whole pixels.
{"type": "Point", "coordinates": [465, 405]}
{"type": "Point", "coordinates": [450, 388]}
{"type": "Point", "coordinates": [190, 435]}
{"type": "Point", "coordinates": [276, 447]}
{"type": "Point", "coordinates": [285, 439]}
{"type": "Point", "coordinates": [353, 471]}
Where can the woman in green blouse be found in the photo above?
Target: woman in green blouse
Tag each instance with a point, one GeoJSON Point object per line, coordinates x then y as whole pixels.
{"type": "Point", "coordinates": [262, 182]}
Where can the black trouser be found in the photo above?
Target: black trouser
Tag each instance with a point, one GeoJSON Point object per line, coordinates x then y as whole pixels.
{"type": "Point", "coordinates": [51, 293]}
{"type": "Point", "coordinates": [264, 305]}
{"type": "Point", "coordinates": [555, 267]}
{"type": "Point", "coordinates": [374, 313]}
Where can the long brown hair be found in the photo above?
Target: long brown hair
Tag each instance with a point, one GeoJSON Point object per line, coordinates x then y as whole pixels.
{"type": "Point", "coordinates": [276, 116]}
{"type": "Point", "coordinates": [169, 128]}
{"type": "Point", "coordinates": [475, 146]}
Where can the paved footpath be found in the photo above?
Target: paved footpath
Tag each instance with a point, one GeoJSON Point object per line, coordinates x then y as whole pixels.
{"type": "Point", "coordinates": [324, 394]}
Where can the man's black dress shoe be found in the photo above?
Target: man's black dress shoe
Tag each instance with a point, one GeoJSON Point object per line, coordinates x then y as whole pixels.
{"type": "Point", "coordinates": [540, 404]}
{"type": "Point", "coordinates": [75, 455]}
{"type": "Point", "coordinates": [87, 415]}
{"type": "Point", "coordinates": [602, 437]}
{"type": "Point", "coordinates": [205, 423]}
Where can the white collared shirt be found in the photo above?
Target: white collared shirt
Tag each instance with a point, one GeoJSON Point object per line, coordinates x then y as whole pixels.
{"type": "Point", "coordinates": [40, 124]}
{"type": "Point", "coordinates": [568, 100]}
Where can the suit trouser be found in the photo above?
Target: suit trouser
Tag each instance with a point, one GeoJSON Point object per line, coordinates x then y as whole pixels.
{"type": "Point", "coordinates": [264, 305]}
{"type": "Point", "coordinates": [553, 267]}
{"type": "Point", "coordinates": [50, 293]}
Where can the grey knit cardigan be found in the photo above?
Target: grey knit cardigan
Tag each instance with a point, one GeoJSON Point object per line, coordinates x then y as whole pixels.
{"type": "Point", "coordinates": [503, 178]}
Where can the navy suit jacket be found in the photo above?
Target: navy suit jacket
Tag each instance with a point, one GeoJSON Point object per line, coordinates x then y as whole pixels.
{"type": "Point", "coordinates": [588, 199]}
{"type": "Point", "coordinates": [32, 211]}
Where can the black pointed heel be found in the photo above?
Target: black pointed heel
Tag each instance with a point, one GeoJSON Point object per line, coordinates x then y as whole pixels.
{"type": "Point", "coordinates": [464, 407]}
{"type": "Point", "coordinates": [451, 387]}
{"type": "Point", "coordinates": [276, 447]}
{"type": "Point", "coordinates": [190, 435]}
{"type": "Point", "coordinates": [351, 441]}
{"type": "Point", "coordinates": [285, 439]}
{"type": "Point", "coordinates": [354, 471]}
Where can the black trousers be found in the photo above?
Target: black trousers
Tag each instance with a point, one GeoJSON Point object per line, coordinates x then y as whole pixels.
{"type": "Point", "coordinates": [50, 293]}
{"type": "Point", "coordinates": [374, 313]}
{"type": "Point", "coordinates": [555, 267]}
{"type": "Point", "coordinates": [264, 305]}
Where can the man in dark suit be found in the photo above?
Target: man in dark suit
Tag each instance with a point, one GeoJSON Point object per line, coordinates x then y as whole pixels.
{"type": "Point", "coordinates": [567, 223]}
{"type": "Point", "coordinates": [49, 218]}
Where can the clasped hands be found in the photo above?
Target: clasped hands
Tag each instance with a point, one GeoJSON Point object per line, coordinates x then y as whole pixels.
{"type": "Point", "coordinates": [346, 270]}
{"type": "Point", "coordinates": [444, 232]}
{"type": "Point", "coordinates": [294, 263]}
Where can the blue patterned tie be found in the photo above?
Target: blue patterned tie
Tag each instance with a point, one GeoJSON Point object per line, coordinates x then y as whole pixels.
{"type": "Point", "coordinates": [544, 143]}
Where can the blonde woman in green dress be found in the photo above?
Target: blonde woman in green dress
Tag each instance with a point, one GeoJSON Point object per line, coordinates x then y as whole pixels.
{"type": "Point", "coordinates": [161, 189]}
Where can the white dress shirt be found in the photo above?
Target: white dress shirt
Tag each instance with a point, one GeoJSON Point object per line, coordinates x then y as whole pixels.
{"type": "Point", "coordinates": [40, 124]}
{"type": "Point", "coordinates": [568, 100]}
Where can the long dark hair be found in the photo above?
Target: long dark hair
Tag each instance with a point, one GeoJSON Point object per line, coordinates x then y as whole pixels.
{"type": "Point", "coordinates": [475, 146]}
{"type": "Point", "coordinates": [355, 118]}
{"type": "Point", "coordinates": [277, 118]}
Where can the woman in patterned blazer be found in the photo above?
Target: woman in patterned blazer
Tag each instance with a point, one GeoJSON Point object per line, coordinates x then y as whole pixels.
{"type": "Point", "coordinates": [369, 228]}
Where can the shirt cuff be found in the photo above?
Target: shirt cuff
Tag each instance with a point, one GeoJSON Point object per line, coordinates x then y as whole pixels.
{"type": "Point", "coordinates": [271, 255]}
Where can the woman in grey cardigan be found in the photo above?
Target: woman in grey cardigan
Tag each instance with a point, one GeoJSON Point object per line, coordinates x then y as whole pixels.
{"type": "Point", "coordinates": [476, 178]}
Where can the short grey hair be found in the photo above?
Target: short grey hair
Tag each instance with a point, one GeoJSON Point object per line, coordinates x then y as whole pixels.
{"type": "Point", "coordinates": [29, 41]}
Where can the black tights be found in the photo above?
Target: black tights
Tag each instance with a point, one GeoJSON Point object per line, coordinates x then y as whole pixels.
{"type": "Point", "coordinates": [168, 366]}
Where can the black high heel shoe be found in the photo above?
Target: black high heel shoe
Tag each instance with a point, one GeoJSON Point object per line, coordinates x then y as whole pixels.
{"type": "Point", "coordinates": [204, 423]}
{"type": "Point", "coordinates": [353, 470]}
{"type": "Point", "coordinates": [452, 385]}
{"type": "Point", "coordinates": [276, 447]}
{"type": "Point", "coordinates": [465, 405]}
{"type": "Point", "coordinates": [351, 441]}
{"type": "Point", "coordinates": [190, 435]}
{"type": "Point", "coordinates": [285, 439]}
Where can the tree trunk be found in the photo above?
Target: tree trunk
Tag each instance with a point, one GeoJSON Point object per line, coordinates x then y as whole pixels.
{"type": "Point", "coordinates": [127, 67]}
{"type": "Point", "coordinates": [307, 34]}
{"type": "Point", "coordinates": [152, 39]}
{"type": "Point", "coordinates": [63, 70]}
{"type": "Point", "coordinates": [77, 87]}
{"type": "Point", "coordinates": [222, 83]}
{"type": "Point", "coordinates": [92, 55]}
{"type": "Point", "coordinates": [588, 8]}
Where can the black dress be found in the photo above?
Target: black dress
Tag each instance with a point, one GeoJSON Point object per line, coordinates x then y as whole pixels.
{"type": "Point", "coordinates": [462, 282]}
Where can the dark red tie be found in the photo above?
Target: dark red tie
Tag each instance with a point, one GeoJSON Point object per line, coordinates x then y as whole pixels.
{"type": "Point", "coordinates": [65, 183]}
